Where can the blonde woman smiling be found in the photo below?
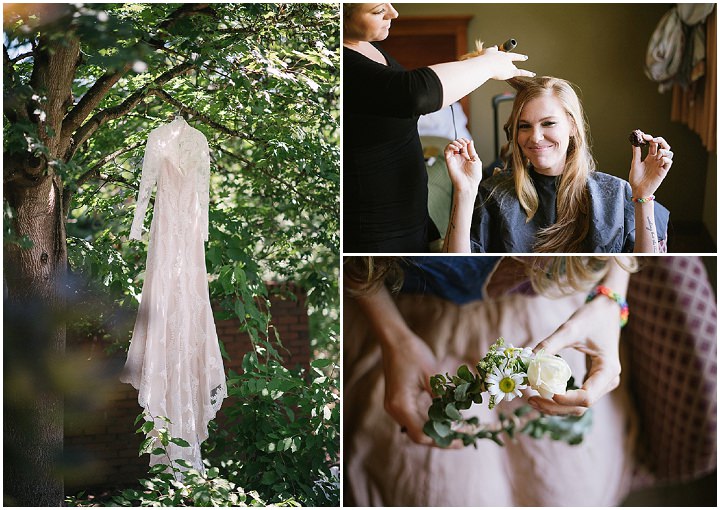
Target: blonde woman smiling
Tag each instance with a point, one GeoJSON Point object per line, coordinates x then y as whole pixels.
{"type": "Point", "coordinates": [552, 199]}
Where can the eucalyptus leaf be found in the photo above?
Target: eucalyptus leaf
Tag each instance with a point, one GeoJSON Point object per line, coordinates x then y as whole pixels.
{"type": "Point", "coordinates": [452, 412]}
{"type": "Point", "coordinates": [442, 429]}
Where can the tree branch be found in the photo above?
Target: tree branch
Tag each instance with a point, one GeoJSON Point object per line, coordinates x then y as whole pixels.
{"type": "Point", "coordinates": [89, 102]}
{"type": "Point", "coordinates": [232, 132]}
{"type": "Point", "coordinates": [94, 173]}
{"type": "Point", "coordinates": [307, 199]}
{"type": "Point", "coordinates": [103, 116]}
{"type": "Point", "coordinates": [204, 118]}
{"type": "Point", "coordinates": [102, 86]}
{"type": "Point", "coordinates": [182, 12]}
{"type": "Point", "coordinates": [22, 56]}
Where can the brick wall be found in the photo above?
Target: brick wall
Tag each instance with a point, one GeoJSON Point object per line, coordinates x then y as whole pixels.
{"type": "Point", "coordinates": [101, 446]}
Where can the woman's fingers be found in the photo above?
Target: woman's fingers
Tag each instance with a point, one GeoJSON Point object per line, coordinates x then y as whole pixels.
{"type": "Point", "coordinates": [653, 148]}
{"type": "Point", "coordinates": [548, 406]}
{"type": "Point", "coordinates": [471, 151]}
{"type": "Point", "coordinates": [576, 402]}
{"type": "Point", "coordinates": [658, 144]}
{"type": "Point", "coordinates": [604, 376]}
{"type": "Point", "coordinates": [661, 142]}
{"type": "Point", "coordinates": [404, 412]}
{"type": "Point", "coordinates": [515, 56]}
{"type": "Point", "coordinates": [637, 155]}
{"type": "Point", "coordinates": [462, 146]}
{"type": "Point", "coordinates": [565, 336]}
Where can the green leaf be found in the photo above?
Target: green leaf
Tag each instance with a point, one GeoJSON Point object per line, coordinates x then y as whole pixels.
{"type": "Point", "coordinates": [179, 441]}
{"type": "Point", "coordinates": [147, 427]}
{"type": "Point", "coordinates": [442, 429]}
{"type": "Point", "coordinates": [461, 391]}
{"type": "Point", "coordinates": [437, 410]}
{"type": "Point", "coordinates": [146, 445]}
{"type": "Point", "coordinates": [269, 477]}
{"type": "Point", "coordinates": [465, 374]}
{"type": "Point", "coordinates": [321, 363]}
{"type": "Point", "coordinates": [444, 442]}
{"type": "Point", "coordinates": [158, 468]}
{"type": "Point", "coordinates": [452, 412]}
{"type": "Point", "coordinates": [437, 385]}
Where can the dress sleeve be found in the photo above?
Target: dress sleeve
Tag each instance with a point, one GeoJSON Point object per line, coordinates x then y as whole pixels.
{"type": "Point", "coordinates": [151, 166]}
{"type": "Point", "coordinates": [203, 187]}
{"type": "Point", "coordinates": [374, 88]}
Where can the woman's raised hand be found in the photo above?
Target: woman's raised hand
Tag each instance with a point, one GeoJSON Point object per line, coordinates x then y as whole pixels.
{"type": "Point", "coordinates": [593, 330]}
{"type": "Point", "coordinates": [501, 63]}
{"type": "Point", "coordinates": [647, 175]}
{"type": "Point", "coordinates": [464, 166]}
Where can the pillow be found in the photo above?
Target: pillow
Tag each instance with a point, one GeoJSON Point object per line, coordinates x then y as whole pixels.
{"type": "Point", "coordinates": [440, 123]}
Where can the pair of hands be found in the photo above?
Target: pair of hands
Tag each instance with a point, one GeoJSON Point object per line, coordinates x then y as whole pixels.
{"type": "Point", "coordinates": [465, 167]}
{"type": "Point", "coordinates": [593, 330]}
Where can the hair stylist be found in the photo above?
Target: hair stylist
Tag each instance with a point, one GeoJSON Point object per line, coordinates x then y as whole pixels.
{"type": "Point", "coordinates": [384, 178]}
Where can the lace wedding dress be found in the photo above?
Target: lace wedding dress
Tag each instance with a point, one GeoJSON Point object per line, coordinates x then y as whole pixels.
{"type": "Point", "coordinates": [174, 358]}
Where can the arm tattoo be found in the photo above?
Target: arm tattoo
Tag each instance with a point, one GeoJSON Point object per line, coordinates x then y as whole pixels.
{"type": "Point", "coordinates": [451, 226]}
{"type": "Point", "coordinates": [650, 227]}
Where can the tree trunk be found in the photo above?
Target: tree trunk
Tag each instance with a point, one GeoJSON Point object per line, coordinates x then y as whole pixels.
{"type": "Point", "coordinates": [35, 279]}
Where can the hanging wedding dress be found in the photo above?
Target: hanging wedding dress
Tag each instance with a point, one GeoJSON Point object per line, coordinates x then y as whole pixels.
{"type": "Point", "coordinates": [174, 358]}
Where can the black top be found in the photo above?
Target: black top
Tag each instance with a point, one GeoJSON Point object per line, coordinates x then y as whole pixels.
{"type": "Point", "coordinates": [499, 222]}
{"type": "Point", "coordinates": [384, 178]}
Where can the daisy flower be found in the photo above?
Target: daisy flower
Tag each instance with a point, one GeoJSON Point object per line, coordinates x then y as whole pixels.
{"type": "Point", "coordinates": [504, 384]}
{"type": "Point", "coordinates": [524, 353]}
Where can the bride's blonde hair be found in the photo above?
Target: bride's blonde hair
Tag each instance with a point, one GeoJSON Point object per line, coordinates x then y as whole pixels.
{"type": "Point", "coordinates": [567, 234]}
{"type": "Point", "coordinates": [548, 275]}
{"type": "Point", "coordinates": [566, 274]}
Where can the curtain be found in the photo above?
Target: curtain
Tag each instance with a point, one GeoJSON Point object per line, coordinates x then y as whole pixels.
{"type": "Point", "coordinates": [696, 105]}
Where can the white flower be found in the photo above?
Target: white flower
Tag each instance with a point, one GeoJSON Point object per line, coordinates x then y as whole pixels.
{"type": "Point", "coordinates": [548, 375]}
{"type": "Point", "coordinates": [524, 353]}
{"type": "Point", "coordinates": [504, 383]}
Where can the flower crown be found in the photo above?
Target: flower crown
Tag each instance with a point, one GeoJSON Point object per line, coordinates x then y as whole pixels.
{"type": "Point", "coordinates": [503, 373]}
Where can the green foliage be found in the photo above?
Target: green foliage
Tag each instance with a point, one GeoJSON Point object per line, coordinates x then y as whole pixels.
{"type": "Point", "coordinates": [570, 429]}
{"type": "Point", "coordinates": [284, 430]}
{"type": "Point", "coordinates": [175, 483]}
{"type": "Point", "coordinates": [263, 85]}
{"type": "Point", "coordinates": [455, 393]}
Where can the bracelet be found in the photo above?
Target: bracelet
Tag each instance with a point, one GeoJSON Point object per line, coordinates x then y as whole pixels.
{"type": "Point", "coordinates": [642, 200]}
{"type": "Point", "coordinates": [624, 309]}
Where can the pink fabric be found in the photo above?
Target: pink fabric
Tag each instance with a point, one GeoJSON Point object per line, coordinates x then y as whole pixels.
{"type": "Point", "coordinates": [384, 468]}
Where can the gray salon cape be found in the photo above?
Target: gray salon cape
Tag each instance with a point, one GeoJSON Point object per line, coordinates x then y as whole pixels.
{"type": "Point", "coordinates": [499, 226]}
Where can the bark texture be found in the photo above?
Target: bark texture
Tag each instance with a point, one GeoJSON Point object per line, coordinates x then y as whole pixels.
{"type": "Point", "coordinates": [34, 277]}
